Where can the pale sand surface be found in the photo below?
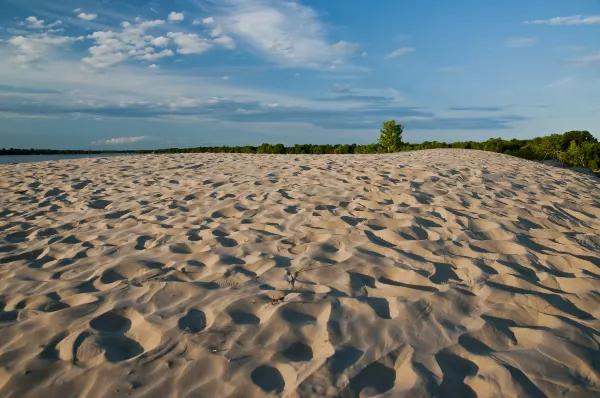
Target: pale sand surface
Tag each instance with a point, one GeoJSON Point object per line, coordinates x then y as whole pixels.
{"type": "Point", "coordinates": [433, 273]}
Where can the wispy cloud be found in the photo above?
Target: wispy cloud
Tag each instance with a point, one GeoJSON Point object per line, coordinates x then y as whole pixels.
{"type": "Point", "coordinates": [287, 33]}
{"type": "Point", "coordinates": [34, 47]}
{"type": "Point", "coordinates": [570, 20]}
{"type": "Point", "coordinates": [564, 82]}
{"type": "Point", "coordinates": [400, 37]}
{"type": "Point", "coordinates": [517, 42]}
{"type": "Point", "coordinates": [399, 52]}
{"type": "Point", "coordinates": [450, 68]}
{"type": "Point", "coordinates": [190, 43]}
{"type": "Point", "coordinates": [477, 108]}
{"type": "Point", "coordinates": [590, 59]}
{"type": "Point", "coordinates": [120, 140]}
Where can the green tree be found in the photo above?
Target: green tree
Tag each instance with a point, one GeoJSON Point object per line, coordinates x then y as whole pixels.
{"type": "Point", "coordinates": [547, 147]}
{"type": "Point", "coordinates": [278, 149]}
{"type": "Point", "coordinates": [579, 136]}
{"type": "Point", "coordinates": [391, 136]}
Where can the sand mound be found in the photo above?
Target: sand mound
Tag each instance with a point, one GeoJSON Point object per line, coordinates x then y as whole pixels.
{"type": "Point", "coordinates": [443, 273]}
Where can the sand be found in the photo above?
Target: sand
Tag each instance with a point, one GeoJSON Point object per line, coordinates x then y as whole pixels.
{"type": "Point", "coordinates": [442, 273]}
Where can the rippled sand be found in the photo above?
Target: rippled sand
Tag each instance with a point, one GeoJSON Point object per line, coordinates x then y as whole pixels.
{"type": "Point", "coordinates": [433, 273]}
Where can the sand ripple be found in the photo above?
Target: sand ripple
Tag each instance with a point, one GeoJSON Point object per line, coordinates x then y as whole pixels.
{"type": "Point", "coordinates": [443, 273]}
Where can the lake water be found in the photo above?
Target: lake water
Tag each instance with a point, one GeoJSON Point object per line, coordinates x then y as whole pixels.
{"type": "Point", "coordinates": [8, 159]}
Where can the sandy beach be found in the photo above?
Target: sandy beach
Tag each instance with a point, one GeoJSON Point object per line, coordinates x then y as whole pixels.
{"type": "Point", "coordinates": [441, 273]}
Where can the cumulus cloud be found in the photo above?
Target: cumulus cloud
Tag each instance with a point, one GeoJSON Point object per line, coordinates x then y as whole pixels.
{"type": "Point", "coordinates": [399, 52]}
{"type": "Point", "coordinates": [87, 17]}
{"type": "Point", "coordinates": [112, 47]}
{"type": "Point", "coordinates": [287, 33]}
{"type": "Point", "coordinates": [190, 43]}
{"type": "Point", "coordinates": [152, 56]}
{"type": "Point", "coordinates": [226, 42]}
{"type": "Point", "coordinates": [120, 140]}
{"type": "Point", "coordinates": [160, 41]}
{"type": "Point", "coordinates": [35, 23]}
{"type": "Point", "coordinates": [517, 42]}
{"type": "Point", "coordinates": [570, 20]}
{"type": "Point", "coordinates": [34, 47]}
{"type": "Point", "coordinates": [176, 16]}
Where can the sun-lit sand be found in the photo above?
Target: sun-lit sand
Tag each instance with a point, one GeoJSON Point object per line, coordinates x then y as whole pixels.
{"type": "Point", "coordinates": [443, 273]}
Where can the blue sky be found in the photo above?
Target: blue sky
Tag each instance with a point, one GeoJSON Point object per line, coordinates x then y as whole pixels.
{"type": "Point", "coordinates": [111, 74]}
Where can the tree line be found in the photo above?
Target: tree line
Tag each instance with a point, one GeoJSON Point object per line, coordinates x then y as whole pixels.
{"type": "Point", "coordinates": [573, 148]}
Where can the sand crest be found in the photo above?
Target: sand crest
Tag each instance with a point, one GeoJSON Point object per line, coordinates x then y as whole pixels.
{"type": "Point", "coordinates": [442, 273]}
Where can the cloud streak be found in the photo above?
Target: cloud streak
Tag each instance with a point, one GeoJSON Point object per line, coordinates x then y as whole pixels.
{"type": "Point", "coordinates": [518, 42]}
{"type": "Point", "coordinates": [591, 59]}
{"type": "Point", "coordinates": [400, 52]}
{"type": "Point", "coordinates": [120, 140]}
{"type": "Point", "coordinates": [566, 21]}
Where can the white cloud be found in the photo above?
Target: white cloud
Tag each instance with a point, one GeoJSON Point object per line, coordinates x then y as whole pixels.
{"type": "Point", "coordinates": [176, 16]}
{"type": "Point", "coordinates": [226, 42]}
{"type": "Point", "coordinates": [344, 47]}
{"type": "Point", "coordinates": [364, 54]}
{"type": "Point", "coordinates": [34, 47]}
{"type": "Point", "coordinates": [190, 43]}
{"type": "Point", "coordinates": [153, 66]}
{"type": "Point", "coordinates": [565, 81]}
{"type": "Point", "coordinates": [225, 77]}
{"type": "Point", "coordinates": [590, 59]}
{"type": "Point", "coordinates": [517, 42]}
{"type": "Point", "coordinates": [154, 56]}
{"type": "Point", "coordinates": [35, 23]}
{"type": "Point", "coordinates": [87, 17]}
{"type": "Point", "coordinates": [160, 41]}
{"type": "Point", "coordinates": [287, 33]}
{"type": "Point", "coordinates": [205, 21]}
{"type": "Point", "coordinates": [571, 20]}
{"type": "Point", "coordinates": [399, 52]}
{"type": "Point", "coordinates": [77, 10]}
{"type": "Point", "coordinates": [112, 47]}
{"type": "Point", "coordinates": [120, 140]}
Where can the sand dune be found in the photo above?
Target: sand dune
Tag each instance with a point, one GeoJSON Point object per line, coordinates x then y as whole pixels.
{"type": "Point", "coordinates": [443, 273]}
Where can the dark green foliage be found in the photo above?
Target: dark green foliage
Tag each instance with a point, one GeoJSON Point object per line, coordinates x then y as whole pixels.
{"type": "Point", "coordinates": [573, 148]}
{"type": "Point", "coordinates": [391, 136]}
{"type": "Point", "coordinates": [578, 136]}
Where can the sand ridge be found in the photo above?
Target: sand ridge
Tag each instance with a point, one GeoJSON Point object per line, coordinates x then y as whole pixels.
{"type": "Point", "coordinates": [430, 273]}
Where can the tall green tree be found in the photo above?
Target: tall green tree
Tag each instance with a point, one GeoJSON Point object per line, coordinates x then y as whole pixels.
{"type": "Point", "coordinates": [391, 136]}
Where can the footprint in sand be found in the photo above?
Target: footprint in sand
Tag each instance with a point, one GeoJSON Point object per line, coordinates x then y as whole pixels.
{"type": "Point", "coordinates": [142, 242]}
{"type": "Point", "coordinates": [268, 378]}
{"type": "Point", "coordinates": [298, 352]}
{"type": "Point", "coordinates": [116, 336]}
{"type": "Point", "coordinates": [193, 322]}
